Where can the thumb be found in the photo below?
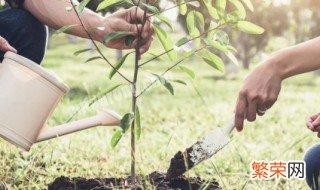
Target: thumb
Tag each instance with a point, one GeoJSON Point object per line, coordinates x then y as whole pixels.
{"type": "Point", "coordinates": [5, 46]}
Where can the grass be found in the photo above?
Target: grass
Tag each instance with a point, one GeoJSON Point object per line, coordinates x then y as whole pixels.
{"type": "Point", "coordinates": [170, 123]}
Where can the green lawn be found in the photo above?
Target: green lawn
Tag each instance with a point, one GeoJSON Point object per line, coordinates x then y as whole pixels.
{"type": "Point", "coordinates": [170, 123]}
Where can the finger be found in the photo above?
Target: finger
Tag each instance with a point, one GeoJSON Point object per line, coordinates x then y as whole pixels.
{"type": "Point", "coordinates": [240, 111]}
{"type": "Point", "coordinates": [134, 28]}
{"type": "Point", "coordinates": [316, 129]}
{"type": "Point", "coordinates": [316, 122]}
{"type": "Point", "coordinates": [310, 126]}
{"type": "Point", "coordinates": [145, 47]}
{"type": "Point", "coordinates": [147, 30]}
{"type": "Point", "coordinates": [5, 46]}
{"type": "Point", "coordinates": [136, 14]}
{"type": "Point", "coordinates": [252, 110]}
{"type": "Point", "coordinates": [315, 116]}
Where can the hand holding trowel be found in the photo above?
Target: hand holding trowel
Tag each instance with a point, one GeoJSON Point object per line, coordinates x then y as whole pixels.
{"type": "Point", "coordinates": [201, 150]}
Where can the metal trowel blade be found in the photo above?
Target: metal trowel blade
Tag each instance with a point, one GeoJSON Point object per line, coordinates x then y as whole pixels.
{"type": "Point", "coordinates": [214, 141]}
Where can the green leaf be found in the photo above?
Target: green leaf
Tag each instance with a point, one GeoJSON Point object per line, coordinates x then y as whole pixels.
{"type": "Point", "coordinates": [182, 41]}
{"type": "Point", "coordinates": [82, 5]}
{"type": "Point", "coordinates": [217, 45]}
{"type": "Point", "coordinates": [116, 138]}
{"type": "Point", "coordinates": [165, 41]}
{"type": "Point", "coordinates": [187, 71]}
{"type": "Point", "coordinates": [137, 122]}
{"type": "Point", "coordinates": [221, 6]}
{"type": "Point", "coordinates": [212, 11]}
{"type": "Point", "coordinates": [213, 60]}
{"type": "Point", "coordinates": [65, 28]}
{"type": "Point", "coordinates": [191, 24]}
{"type": "Point", "coordinates": [249, 27]}
{"type": "Point", "coordinates": [221, 36]}
{"type": "Point", "coordinates": [180, 82]}
{"type": "Point", "coordinates": [92, 58]}
{"type": "Point", "coordinates": [232, 57]}
{"type": "Point", "coordinates": [107, 3]}
{"type": "Point", "coordinates": [103, 93]}
{"type": "Point", "coordinates": [169, 86]}
{"type": "Point", "coordinates": [151, 8]}
{"type": "Point", "coordinates": [199, 18]}
{"type": "Point", "coordinates": [118, 65]}
{"type": "Point", "coordinates": [81, 51]}
{"type": "Point", "coordinates": [115, 35]}
{"type": "Point", "coordinates": [231, 48]}
{"type": "Point", "coordinates": [195, 33]}
{"type": "Point", "coordinates": [240, 9]}
{"type": "Point", "coordinates": [126, 121]}
{"type": "Point", "coordinates": [165, 20]}
{"type": "Point", "coordinates": [182, 7]}
{"type": "Point", "coordinates": [155, 54]}
{"type": "Point", "coordinates": [191, 21]}
{"type": "Point", "coordinates": [165, 83]}
{"type": "Point", "coordinates": [188, 54]}
{"type": "Point", "coordinates": [248, 3]}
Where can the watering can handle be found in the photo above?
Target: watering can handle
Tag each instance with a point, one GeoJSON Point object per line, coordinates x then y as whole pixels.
{"type": "Point", "coordinates": [103, 118]}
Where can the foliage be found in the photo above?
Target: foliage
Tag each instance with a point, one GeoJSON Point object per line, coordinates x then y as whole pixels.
{"type": "Point", "coordinates": [203, 40]}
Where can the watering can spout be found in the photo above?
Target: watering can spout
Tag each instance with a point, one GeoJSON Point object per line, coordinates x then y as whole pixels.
{"type": "Point", "coordinates": [103, 118]}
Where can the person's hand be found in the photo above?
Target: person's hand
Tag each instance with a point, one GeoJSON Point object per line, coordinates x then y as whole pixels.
{"type": "Point", "coordinates": [259, 92]}
{"type": "Point", "coordinates": [129, 20]}
{"type": "Point", "coordinates": [5, 46]}
{"type": "Point", "coordinates": [313, 123]}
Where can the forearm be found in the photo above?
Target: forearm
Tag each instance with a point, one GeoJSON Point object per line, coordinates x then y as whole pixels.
{"type": "Point", "coordinates": [53, 13]}
{"type": "Point", "coordinates": [301, 58]}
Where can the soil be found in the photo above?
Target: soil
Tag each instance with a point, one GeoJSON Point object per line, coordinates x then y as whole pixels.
{"type": "Point", "coordinates": [180, 163]}
{"type": "Point", "coordinates": [154, 180]}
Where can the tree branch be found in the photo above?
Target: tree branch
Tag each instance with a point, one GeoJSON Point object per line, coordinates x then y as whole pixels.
{"type": "Point", "coordinates": [155, 57]}
{"type": "Point", "coordinates": [167, 70]}
{"type": "Point", "coordinates": [95, 44]}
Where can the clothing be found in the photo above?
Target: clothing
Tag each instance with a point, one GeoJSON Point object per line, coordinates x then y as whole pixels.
{"type": "Point", "coordinates": [15, 3]}
{"type": "Point", "coordinates": [24, 32]}
{"type": "Point", "coordinates": [312, 159]}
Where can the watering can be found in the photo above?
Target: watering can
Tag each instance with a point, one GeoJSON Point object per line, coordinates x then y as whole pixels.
{"type": "Point", "coordinates": [28, 96]}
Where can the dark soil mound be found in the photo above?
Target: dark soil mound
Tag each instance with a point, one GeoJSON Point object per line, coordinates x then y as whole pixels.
{"type": "Point", "coordinates": [153, 181]}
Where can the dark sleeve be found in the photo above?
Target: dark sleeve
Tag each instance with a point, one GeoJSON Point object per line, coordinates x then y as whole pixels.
{"type": "Point", "coordinates": [15, 3]}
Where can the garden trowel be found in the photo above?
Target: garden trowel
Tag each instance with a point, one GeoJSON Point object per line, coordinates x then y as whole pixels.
{"type": "Point", "coordinates": [201, 150]}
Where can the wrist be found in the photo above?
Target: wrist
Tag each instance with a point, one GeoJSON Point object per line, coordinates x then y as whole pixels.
{"type": "Point", "coordinates": [280, 63]}
{"type": "Point", "coordinates": [98, 28]}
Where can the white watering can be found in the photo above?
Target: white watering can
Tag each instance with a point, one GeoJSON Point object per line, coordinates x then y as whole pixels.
{"type": "Point", "coordinates": [28, 96]}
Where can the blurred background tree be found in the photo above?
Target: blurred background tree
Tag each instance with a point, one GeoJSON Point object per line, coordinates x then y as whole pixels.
{"type": "Point", "coordinates": [294, 21]}
{"type": "Point", "coordinates": [270, 16]}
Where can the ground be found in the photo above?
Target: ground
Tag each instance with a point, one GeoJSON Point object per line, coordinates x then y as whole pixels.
{"type": "Point", "coordinates": [170, 123]}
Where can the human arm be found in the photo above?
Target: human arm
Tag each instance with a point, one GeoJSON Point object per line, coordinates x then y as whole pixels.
{"type": "Point", "coordinates": [262, 86]}
{"type": "Point", "coordinates": [53, 13]}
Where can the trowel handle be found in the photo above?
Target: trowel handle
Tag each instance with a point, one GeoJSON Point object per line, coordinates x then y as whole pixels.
{"type": "Point", "coordinates": [230, 125]}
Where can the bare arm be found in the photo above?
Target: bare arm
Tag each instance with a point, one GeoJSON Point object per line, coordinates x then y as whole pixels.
{"type": "Point", "coordinates": [299, 59]}
{"type": "Point", "coordinates": [53, 13]}
{"type": "Point", "coordinates": [262, 86]}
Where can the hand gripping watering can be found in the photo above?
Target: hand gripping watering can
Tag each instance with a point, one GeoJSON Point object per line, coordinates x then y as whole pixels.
{"type": "Point", "coordinates": [28, 96]}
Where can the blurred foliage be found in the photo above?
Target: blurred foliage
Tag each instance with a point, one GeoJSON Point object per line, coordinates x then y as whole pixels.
{"type": "Point", "coordinates": [271, 17]}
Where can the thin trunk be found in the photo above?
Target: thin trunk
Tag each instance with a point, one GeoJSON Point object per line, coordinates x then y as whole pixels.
{"type": "Point", "coordinates": [134, 104]}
